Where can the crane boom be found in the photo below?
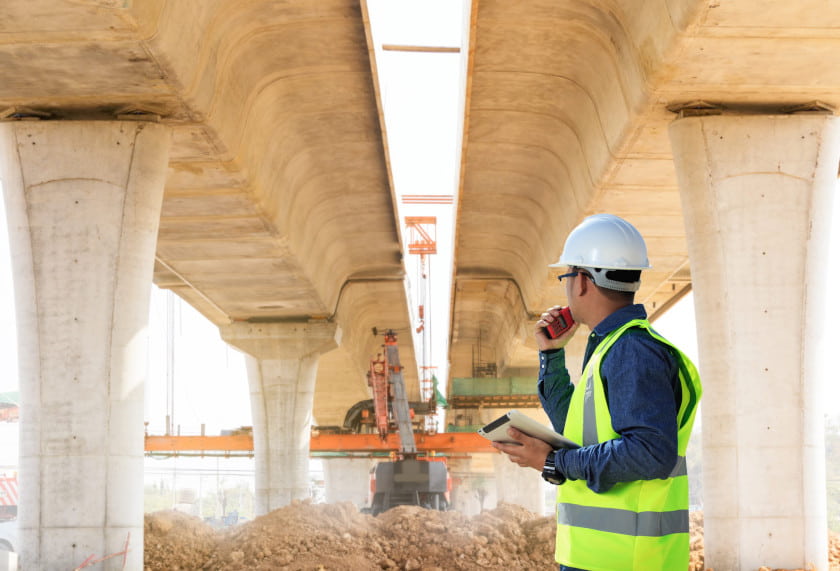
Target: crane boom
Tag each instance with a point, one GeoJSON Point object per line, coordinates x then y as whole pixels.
{"type": "Point", "coordinates": [400, 407]}
{"type": "Point", "coordinates": [378, 381]}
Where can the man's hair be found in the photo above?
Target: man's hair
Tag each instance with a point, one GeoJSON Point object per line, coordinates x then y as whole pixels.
{"type": "Point", "coordinates": [626, 276]}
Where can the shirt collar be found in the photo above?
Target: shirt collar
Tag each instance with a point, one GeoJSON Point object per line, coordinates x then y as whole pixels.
{"type": "Point", "coordinates": [618, 318]}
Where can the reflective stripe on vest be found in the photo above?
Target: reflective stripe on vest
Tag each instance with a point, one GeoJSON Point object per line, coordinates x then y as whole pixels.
{"type": "Point", "coordinates": [634, 525]}
{"type": "Point", "coordinates": [625, 522]}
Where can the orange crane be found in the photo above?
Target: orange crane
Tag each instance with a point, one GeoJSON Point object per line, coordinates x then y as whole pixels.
{"type": "Point", "coordinates": [378, 382]}
{"type": "Point", "coordinates": [405, 480]}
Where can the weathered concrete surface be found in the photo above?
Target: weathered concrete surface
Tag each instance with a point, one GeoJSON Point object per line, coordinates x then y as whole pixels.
{"type": "Point", "coordinates": [277, 209]}
{"type": "Point", "coordinates": [278, 203]}
{"type": "Point", "coordinates": [282, 380]}
{"type": "Point", "coordinates": [83, 203]}
{"type": "Point", "coordinates": [757, 195]}
{"type": "Point", "coordinates": [568, 110]}
{"type": "Point", "coordinates": [567, 115]}
{"type": "Point", "coordinates": [278, 196]}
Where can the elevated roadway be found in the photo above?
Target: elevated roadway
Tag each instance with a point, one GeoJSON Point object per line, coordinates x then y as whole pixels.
{"type": "Point", "coordinates": [567, 115]}
{"type": "Point", "coordinates": [278, 204]}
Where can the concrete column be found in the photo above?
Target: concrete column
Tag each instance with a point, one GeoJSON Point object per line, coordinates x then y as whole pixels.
{"type": "Point", "coordinates": [474, 483]}
{"type": "Point", "coordinates": [83, 203]}
{"type": "Point", "coordinates": [517, 485]}
{"type": "Point", "coordinates": [757, 193]}
{"type": "Point", "coordinates": [514, 484]}
{"type": "Point", "coordinates": [348, 479]}
{"type": "Point", "coordinates": [282, 380]}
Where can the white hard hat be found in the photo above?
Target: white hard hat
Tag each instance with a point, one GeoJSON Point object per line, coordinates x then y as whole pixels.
{"type": "Point", "coordinates": [607, 242]}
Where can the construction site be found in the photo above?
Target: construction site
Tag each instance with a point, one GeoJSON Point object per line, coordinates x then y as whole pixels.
{"type": "Point", "coordinates": [308, 537]}
{"type": "Point", "coordinates": [411, 517]}
{"type": "Point", "coordinates": [366, 205]}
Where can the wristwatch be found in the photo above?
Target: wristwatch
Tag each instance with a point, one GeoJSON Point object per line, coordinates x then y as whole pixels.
{"type": "Point", "coordinates": [550, 473]}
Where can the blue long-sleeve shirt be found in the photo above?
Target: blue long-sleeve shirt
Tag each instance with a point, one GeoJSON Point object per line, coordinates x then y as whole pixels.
{"type": "Point", "coordinates": [643, 392]}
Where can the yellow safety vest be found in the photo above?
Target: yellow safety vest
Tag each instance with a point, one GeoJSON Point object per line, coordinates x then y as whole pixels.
{"type": "Point", "coordinates": [640, 525]}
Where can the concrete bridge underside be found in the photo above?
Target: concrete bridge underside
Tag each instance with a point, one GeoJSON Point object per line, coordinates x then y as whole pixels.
{"type": "Point", "coordinates": [234, 153]}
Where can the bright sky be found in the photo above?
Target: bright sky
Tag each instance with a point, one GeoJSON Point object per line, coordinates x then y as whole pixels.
{"type": "Point", "coordinates": [423, 107]}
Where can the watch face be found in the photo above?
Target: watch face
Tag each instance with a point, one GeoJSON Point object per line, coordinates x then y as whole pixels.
{"type": "Point", "coordinates": [378, 367]}
{"type": "Point", "coordinates": [549, 473]}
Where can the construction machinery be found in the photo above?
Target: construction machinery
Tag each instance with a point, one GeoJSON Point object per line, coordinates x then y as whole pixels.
{"type": "Point", "coordinates": [410, 481]}
{"type": "Point", "coordinates": [408, 478]}
{"type": "Point", "coordinates": [8, 496]}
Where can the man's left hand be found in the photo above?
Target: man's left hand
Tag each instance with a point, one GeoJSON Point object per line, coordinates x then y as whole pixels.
{"type": "Point", "coordinates": [527, 452]}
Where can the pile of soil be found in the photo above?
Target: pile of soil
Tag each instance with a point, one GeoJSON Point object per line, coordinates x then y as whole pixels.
{"type": "Point", "coordinates": [306, 536]}
{"type": "Point", "coordinates": [174, 540]}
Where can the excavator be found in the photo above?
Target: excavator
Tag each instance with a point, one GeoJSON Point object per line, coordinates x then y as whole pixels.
{"type": "Point", "coordinates": [408, 478]}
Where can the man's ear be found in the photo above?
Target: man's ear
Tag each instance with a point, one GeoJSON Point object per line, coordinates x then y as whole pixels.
{"type": "Point", "coordinates": [583, 284]}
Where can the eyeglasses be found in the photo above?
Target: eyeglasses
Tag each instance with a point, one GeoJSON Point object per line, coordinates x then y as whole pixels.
{"type": "Point", "coordinates": [575, 273]}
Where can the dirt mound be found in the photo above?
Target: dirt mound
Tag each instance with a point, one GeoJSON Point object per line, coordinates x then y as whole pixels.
{"type": "Point", "coordinates": [508, 537]}
{"type": "Point", "coordinates": [695, 556]}
{"type": "Point", "coordinates": [305, 536]}
{"type": "Point", "coordinates": [176, 541]}
{"type": "Point", "coordinates": [300, 536]}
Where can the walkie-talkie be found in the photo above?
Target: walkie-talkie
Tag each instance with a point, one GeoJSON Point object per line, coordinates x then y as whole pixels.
{"type": "Point", "coordinates": [561, 324]}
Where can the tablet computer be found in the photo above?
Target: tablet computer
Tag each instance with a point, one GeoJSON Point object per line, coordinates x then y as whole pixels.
{"type": "Point", "coordinates": [497, 430]}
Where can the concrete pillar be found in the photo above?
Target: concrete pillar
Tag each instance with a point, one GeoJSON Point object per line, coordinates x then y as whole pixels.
{"type": "Point", "coordinates": [517, 485]}
{"type": "Point", "coordinates": [473, 483]}
{"type": "Point", "coordinates": [514, 484]}
{"type": "Point", "coordinates": [282, 380]}
{"type": "Point", "coordinates": [83, 203]}
{"type": "Point", "coordinates": [348, 479]}
{"type": "Point", "coordinates": [757, 193]}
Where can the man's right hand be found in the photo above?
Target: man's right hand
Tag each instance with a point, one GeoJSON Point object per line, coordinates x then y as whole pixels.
{"type": "Point", "coordinates": [544, 342]}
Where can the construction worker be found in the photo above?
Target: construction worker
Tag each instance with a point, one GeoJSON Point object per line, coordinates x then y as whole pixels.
{"type": "Point", "coordinates": [622, 497]}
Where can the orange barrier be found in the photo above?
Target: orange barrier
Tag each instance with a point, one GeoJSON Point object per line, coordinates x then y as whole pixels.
{"type": "Point", "coordinates": [238, 442]}
{"type": "Point", "coordinates": [444, 443]}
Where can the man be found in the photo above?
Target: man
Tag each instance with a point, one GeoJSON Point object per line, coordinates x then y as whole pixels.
{"type": "Point", "coordinates": [622, 497]}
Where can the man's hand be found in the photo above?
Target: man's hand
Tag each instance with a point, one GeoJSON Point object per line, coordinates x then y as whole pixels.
{"type": "Point", "coordinates": [527, 452]}
{"type": "Point", "coordinates": [544, 342]}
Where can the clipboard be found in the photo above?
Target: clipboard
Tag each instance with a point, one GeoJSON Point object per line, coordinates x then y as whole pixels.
{"type": "Point", "coordinates": [496, 431]}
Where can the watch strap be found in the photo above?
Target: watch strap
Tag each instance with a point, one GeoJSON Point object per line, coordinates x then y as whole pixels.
{"type": "Point", "coordinates": [550, 473]}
